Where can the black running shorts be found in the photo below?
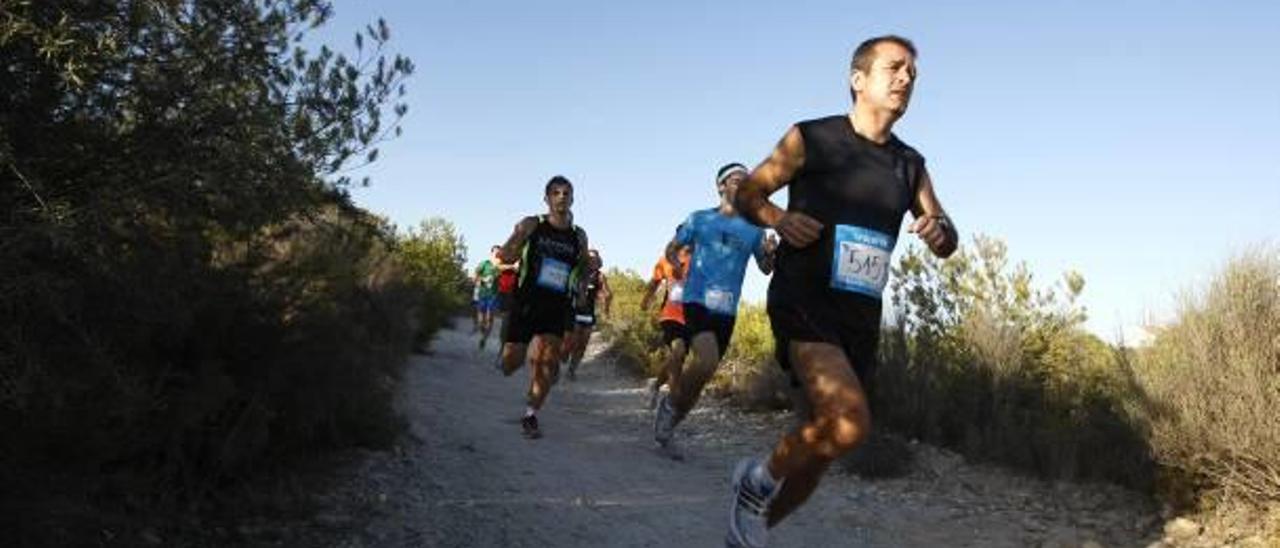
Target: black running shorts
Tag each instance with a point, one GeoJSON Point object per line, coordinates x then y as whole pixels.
{"type": "Point", "coordinates": [673, 331]}
{"type": "Point", "coordinates": [698, 319]}
{"type": "Point", "coordinates": [854, 327]}
{"type": "Point", "coordinates": [529, 319]}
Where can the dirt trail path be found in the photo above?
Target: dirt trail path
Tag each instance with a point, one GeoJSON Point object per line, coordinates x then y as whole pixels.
{"type": "Point", "coordinates": [469, 479]}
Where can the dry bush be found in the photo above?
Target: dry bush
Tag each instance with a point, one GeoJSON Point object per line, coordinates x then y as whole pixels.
{"type": "Point", "coordinates": [635, 340]}
{"type": "Point", "coordinates": [748, 373]}
{"type": "Point", "coordinates": [1215, 370]}
{"type": "Point", "coordinates": [984, 362]}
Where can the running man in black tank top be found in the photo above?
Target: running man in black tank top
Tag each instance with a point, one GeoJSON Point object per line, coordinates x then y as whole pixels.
{"type": "Point", "coordinates": [595, 288]}
{"type": "Point", "coordinates": [550, 249]}
{"type": "Point", "coordinates": [851, 182]}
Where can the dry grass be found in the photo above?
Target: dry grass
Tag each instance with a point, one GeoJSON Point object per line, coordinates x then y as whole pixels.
{"type": "Point", "coordinates": [1216, 373]}
{"type": "Point", "coordinates": [747, 374]}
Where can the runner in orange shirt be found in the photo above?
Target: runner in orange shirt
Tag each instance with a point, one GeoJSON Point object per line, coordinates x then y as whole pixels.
{"type": "Point", "coordinates": [675, 337]}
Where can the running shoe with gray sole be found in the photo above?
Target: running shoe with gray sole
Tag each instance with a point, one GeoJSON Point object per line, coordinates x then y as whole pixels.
{"type": "Point", "coordinates": [749, 510]}
{"type": "Point", "coordinates": [651, 391]}
{"type": "Point", "coordinates": [664, 421]}
{"type": "Point", "coordinates": [529, 426]}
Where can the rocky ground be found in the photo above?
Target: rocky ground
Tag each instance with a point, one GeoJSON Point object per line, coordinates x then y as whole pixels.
{"type": "Point", "coordinates": [466, 477]}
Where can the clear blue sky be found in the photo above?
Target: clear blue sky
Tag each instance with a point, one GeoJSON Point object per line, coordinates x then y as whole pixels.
{"type": "Point", "coordinates": [1135, 142]}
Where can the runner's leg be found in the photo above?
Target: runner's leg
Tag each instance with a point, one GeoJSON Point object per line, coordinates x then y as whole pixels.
{"type": "Point", "coordinates": [545, 365]}
{"type": "Point", "coordinates": [840, 420]}
{"type": "Point", "coordinates": [687, 388]}
{"type": "Point", "coordinates": [670, 373]}
{"type": "Point", "coordinates": [581, 336]}
{"type": "Point", "coordinates": [513, 356]}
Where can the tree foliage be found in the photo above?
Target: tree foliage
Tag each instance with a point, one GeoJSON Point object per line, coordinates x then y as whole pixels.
{"type": "Point", "coordinates": [434, 256]}
{"type": "Point", "coordinates": [186, 289]}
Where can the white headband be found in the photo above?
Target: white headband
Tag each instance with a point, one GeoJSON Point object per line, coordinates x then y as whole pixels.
{"type": "Point", "coordinates": [735, 169]}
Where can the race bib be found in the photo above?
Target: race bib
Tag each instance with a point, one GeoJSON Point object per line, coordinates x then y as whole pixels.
{"type": "Point", "coordinates": [553, 275]}
{"type": "Point", "coordinates": [676, 292]}
{"type": "Point", "coordinates": [721, 301]}
{"type": "Point", "coordinates": [860, 261]}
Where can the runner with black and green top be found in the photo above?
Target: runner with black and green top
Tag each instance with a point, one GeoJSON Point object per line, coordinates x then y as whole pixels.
{"type": "Point", "coordinates": [486, 281]}
{"type": "Point", "coordinates": [595, 289]}
{"type": "Point", "coordinates": [552, 251]}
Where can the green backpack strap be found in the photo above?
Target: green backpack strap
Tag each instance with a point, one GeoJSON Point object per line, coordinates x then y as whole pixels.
{"type": "Point", "coordinates": [524, 253]}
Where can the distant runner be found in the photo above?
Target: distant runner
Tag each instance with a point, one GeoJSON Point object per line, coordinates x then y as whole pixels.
{"type": "Point", "coordinates": [596, 288]}
{"type": "Point", "coordinates": [486, 283]}
{"type": "Point", "coordinates": [675, 336]}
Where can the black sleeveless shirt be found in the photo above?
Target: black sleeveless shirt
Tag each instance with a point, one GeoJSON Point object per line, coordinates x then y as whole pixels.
{"type": "Point", "coordinates": [588, 305]}
{"type": "Point", "coordinates": [859, 190]}
{"type": "Point", "coordinates": [547, 263]}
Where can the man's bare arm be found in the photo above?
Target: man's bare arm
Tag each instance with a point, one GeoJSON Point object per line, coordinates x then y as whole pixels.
{"type": "Point", "coordinates": [650, 291]}
{"type": "Point", "coordinates": [932, 224]}
{"type": "Point", "coordinates": [510, 251]}
{"type": "Point", "coordinates": [605, 293]}
{"type": "Point", "coordinates": [771, 175]}
{"type": "Point", "coordinates": [775, 172]}
{"type": "Point", "coordinates": [768, 251]}
{"type": "Point", "coordinates": [673, 257]}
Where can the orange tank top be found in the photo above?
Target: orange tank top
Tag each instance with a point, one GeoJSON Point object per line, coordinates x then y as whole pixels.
{"type": "Point", "coordinates": [672, 303]}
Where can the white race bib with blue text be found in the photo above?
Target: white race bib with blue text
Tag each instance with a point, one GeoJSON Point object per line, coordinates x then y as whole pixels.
{"type": "Point", "coordinates": [860, 261]}
{"type": "Point", "coordinates": [676, 293]}
{"type": "Point", "coordinates": [719, 300]}
{"type": "Point", "coordinates": [553, 275]}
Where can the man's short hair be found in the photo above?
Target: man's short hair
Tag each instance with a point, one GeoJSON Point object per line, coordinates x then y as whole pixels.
{"type": "Point", "coordinates": [495, 248]}
{"type": "Point", "coordinates": [865, 53]}
{"type": "Point", "coordinates": [557, 180]}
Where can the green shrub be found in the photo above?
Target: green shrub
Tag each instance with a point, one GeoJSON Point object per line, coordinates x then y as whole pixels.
{"type": "Point", "coordinates": [434, 258]}
{"type": "Point", "coordinates": [982, 361]}
{"type": "Point", "coordinates": [747, 373]}
{"type": "Point", "coordinates": [634, 336]}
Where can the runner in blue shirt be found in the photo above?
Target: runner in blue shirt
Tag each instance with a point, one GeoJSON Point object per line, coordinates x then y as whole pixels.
{"type": "Point", "coordinates": [721, 242]}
